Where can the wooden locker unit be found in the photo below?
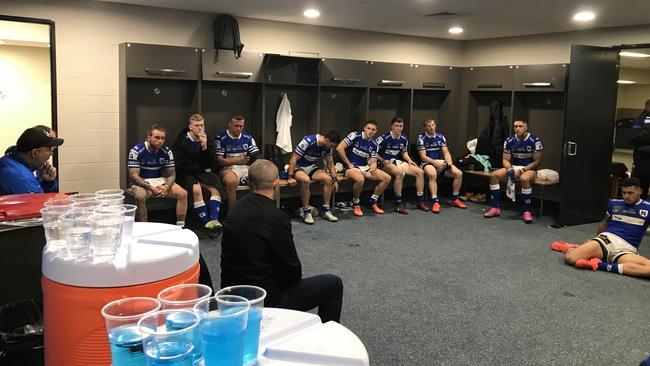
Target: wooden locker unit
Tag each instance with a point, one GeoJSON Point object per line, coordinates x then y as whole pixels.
{"type": "Point", "coordinates": [158, 84]}
{"type": "Point", "coordinates": [232, 86]}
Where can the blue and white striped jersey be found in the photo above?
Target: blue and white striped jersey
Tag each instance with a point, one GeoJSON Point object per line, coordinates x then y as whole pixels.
{"type": "Point", "coordinates": [150, 163]}
{"type": "Point", "coordinates": [522, 150]}
{"type": "Point", "coordinates": [228, 146]}
{"type": "Point", "coordinates": [360, 149]}
{"type": "Point", "coordinates": [309, 151]}
{"type": "Point", "coordinates": [629, 222]}
{"type": "Point", "coordinates": [432, 144]}
{"type": "Point", "coordinates": [390, 147]}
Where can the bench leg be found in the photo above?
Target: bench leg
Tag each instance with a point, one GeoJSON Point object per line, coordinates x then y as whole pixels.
{"type": "Point", "coordinates": [541, 203]}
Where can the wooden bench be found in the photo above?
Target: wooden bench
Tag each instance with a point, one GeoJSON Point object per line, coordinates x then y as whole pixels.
{"type": "Point", "coordinates": [538, 182]}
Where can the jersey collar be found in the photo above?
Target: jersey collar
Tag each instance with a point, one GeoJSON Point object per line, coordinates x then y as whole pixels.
{"type": "Point", "coordinates": [233, 137]}
{"type": "Point", "coordinates": [434, 135]}
{"type": "Point", "coordinates": [393, 136]}
{"type": "Point", "coordinates": [189, 136]}
{"type": "Point", "coordinates": [148, 147]}
{"type": "Point", "coordinates": [524, 139]}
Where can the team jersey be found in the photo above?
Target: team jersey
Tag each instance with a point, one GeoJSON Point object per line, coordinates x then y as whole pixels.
{"type": "Point", "coordinates": [522, 150]}
{"type": "Point", "coordinates": [360, 150]}
{"type": "Point", "coordinates": [150, 163]}
{"type": "Point", "coordinates": [629, 222]}
{"type": "Point", "coordinates": [390, 147]}
{"type": "Point", "coordinates": [309, 151]}
{"type": "Point", "coordinates": [228, 146]}
{"type": "Point", "coordinates": [432, 144]}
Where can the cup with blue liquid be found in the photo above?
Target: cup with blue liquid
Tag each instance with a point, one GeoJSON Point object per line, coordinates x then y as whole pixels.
{"type": "Point", "coordinates": [185, 296]}
{"type": "Point", "coordinates": [125, 339]}
{"type": "Point", "coordinates": [255, 296]}
{"type": "Point", "coordinates": [223, 322]}
{"type": "Point", "coordinates": [169, 343]}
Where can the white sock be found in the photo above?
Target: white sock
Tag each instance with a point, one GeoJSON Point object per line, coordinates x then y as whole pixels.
{"type": "Point", "coordinates": [356, 201]}
{"type": "Point", "coordinates": [180, 223]}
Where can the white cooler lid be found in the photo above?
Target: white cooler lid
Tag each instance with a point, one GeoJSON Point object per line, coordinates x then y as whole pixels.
{"type": "Point", "coordinates": [157, 252]}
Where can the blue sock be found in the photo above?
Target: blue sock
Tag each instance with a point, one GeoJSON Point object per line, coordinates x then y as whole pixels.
{"type": "Point", "coordinates": [454, 196]}
{"type": "Point", "coordinates": [326, 208]}
{"type": "Point", "coordinates": [434, 199]}
{"type": "Point", "coordinates": [201, 211]}
{"type": "Point", "coordinates": [215, 203]}
{"type": "Point", "coordinates": [398, 200]}
{"type": "Point", "coordinates": [420, 196]}
{"type": "Point", "coordinates": [610, 267]}
{"type": "Point", "coordinates": [526, 198]}
{"type": "Point", "coordinates": [495, 191]}
{"type": "Point", "coordinates": [373, 199]}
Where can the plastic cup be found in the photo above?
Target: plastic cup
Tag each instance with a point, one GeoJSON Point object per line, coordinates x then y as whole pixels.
{"type": "Point", "coordinates": [87, 206]}
{"type": "Point", "coordinates": [169, 342]}
{"type": "Point", "coordinates": [106, 231]}
{"type": "Point", "coordinates": [127, 226]}
{"type": "Point", "coordinates": [183, 296]}
{"type": "Point", "coordinates": [255, 296]}
{"type": "Point", "coordinates": [78, 227]}
{"type": "Point", "coordinates": [223, 322]}
{"type": "Point", "coordinates": [59, 202]}
{"type": "Point", "coordinates": [109, 192]}
{"type": "Point", "coordinates": [81, 197]}
{"type": "Point", "coordinates": [125, 339]}
{"type": "Point", "coordinates": [114, 200]}
{"type": "Point", "coordinates": [54, 226]}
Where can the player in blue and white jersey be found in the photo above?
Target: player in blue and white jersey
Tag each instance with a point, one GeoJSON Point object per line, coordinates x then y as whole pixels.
{"type": "Point", "coordinates": [395, 160]}
{"type": "Point", "coordinates": [304, 167]}
{"type": "Point", "coordinates": [615, 249]}
{"type": "Point", "coordinates": [358, 151]}
{"type": "Point", "coordinates": [236, 150]}
{"type": "Point", "coordinates": [152, 174]}
{"type": "Point", "coordinates": [522, 155]}
{"type": "Point", "coordinates": [435, 160]}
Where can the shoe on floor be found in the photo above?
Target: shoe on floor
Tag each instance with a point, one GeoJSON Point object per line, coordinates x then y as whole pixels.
{"type": "Point", "coordinates": [308, 219]}
{"type": "Point", "coordinates": [588, 263]}
{"type": "Point", "coordinates": [327, 215]}
{"type": "Point", "coordinates": [376, 209]}
{"type": "Point", "coordinates": [466, 196]}
{"type": "Point", "coordinates": [423, 206]}
{"type": "Point", "coordinates": [458, 203]}
{"type": "Point", "coordinates": [401, 208]}
{"type": "Point", "coordinates": [357, 210]}
{"type": "Point", "coordinates": [213, 225]}
{"type": "Point", "coordinates": [561, 246]}
{"type": "Point", "coordinates": [493, 212]}
{"type": "Point", "coordinates": [478, 197]}
{"type": "Point", "coordinates": [528, 218]}
{"type": "Point", "coordinates": [435, 208]}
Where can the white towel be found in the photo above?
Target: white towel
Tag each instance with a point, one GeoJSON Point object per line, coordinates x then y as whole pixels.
{"type": "Point", "coordinates": [510, 189]}
{"type": "Point", "coordinates": [283, 122]}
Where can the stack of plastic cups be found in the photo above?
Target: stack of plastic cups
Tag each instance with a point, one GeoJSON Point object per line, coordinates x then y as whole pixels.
{"type": "Point", "coordinates": [169, 343]}
{"type": "Point", "coordinates": [126, 340]}
{"type": "Point", "coordinates": [127, 226]}
{"type": "Point", "coordinates": [223, 322]}
{"type": "Point", "coordinates": [55, 227]}
{"type": "Point", "coordinates": [59, 202]}
{"type": "Point", "coordinates": [83, 197]}
{"type": "Point", "coordinates": [78, 228]}
{"type": "Point", "coordinates": [106, 231]}
{"type": "Point", "coordinates": [185, 297]}
{"type": "Point", "coordinates": [110, 196]}
{"type": "Point", "coordinates": [255, 295]}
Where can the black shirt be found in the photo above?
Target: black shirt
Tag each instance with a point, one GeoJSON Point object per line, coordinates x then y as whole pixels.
{"type": "Point", "coordinates": [257, 246]}
{"type": "Point", "coordinates": [188, 156]}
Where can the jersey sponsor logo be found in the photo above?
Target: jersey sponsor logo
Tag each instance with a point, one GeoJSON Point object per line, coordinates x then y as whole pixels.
{"type": "Point", "coordinates": [629, 220]}
{"type": "Point", "coordinates": [643, 213]}
{"type": "Point", "coordinates": [360, 153]}
{"type": "Point", "coordinates": [133, 155]}
{"type": "Point", "coordinates": [529, 148]}
{"type": "Point", "coordinates": [392, 152]}
{"type": "Point", "coordinates": [303, 145]}
{"type": "Point", "coordinates": [161, 161]}
{"type": "Point", "coordinates": [245, 146]}
{"type": "Point", "coordinates": [538, 145]}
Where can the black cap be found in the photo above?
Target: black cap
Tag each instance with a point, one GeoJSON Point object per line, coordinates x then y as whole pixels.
{"type": "Point", "coordinates": [36, 137]}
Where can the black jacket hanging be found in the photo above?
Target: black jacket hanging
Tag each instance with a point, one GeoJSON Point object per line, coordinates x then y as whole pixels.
{"type": "Point", "coordinates": [490, 141]}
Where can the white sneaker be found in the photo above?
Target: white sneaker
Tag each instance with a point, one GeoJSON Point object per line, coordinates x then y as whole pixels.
{"type": "Point", "coordinates": [329, 217]}
{"type": "Point", "coordinates": [308, 218]}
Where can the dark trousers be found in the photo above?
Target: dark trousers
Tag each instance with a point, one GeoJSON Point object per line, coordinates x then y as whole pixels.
{"type": "Point", "coordinates": [643, 173]}
{"type": "Point", "coordinates": [204, 273]}
{"type": "Point", "coordinates": [322, 291]}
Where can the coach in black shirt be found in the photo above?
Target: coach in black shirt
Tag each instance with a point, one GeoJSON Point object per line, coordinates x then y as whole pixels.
{"type": "Point", "coordinates": [257, 249]}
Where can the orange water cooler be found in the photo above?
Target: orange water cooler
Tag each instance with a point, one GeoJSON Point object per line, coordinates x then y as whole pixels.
{"type": "Point", "coordinates": [74, 291]}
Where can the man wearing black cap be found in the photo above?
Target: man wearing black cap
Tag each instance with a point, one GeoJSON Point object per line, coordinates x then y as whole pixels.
{"type": "Point", "coordinates": [33, 150]}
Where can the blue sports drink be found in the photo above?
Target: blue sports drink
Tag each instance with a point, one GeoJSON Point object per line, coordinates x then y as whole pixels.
{"type": "Point", "coordinates": [222, 341]}
{"type": "Point", "coordinates": [126, 346]}
{"type": "Point", "coordinates": [252, 336]}
{"type": "Point", "coordinates": [176, 352]}
{"type": "Point", "coordinates": [179, 321]}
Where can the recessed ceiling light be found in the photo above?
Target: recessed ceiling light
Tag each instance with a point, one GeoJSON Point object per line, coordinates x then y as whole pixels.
{"type": "Point", "coordinates": [584, 16]}
{"type": "Point", "coordinates": [626, 82]}
{"type": "Point", "coordinates": [455, 30]}
{"type": "Point", "coordinates": [312, 13]}
{"type": "Point", "coordinates": [633, 54]}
